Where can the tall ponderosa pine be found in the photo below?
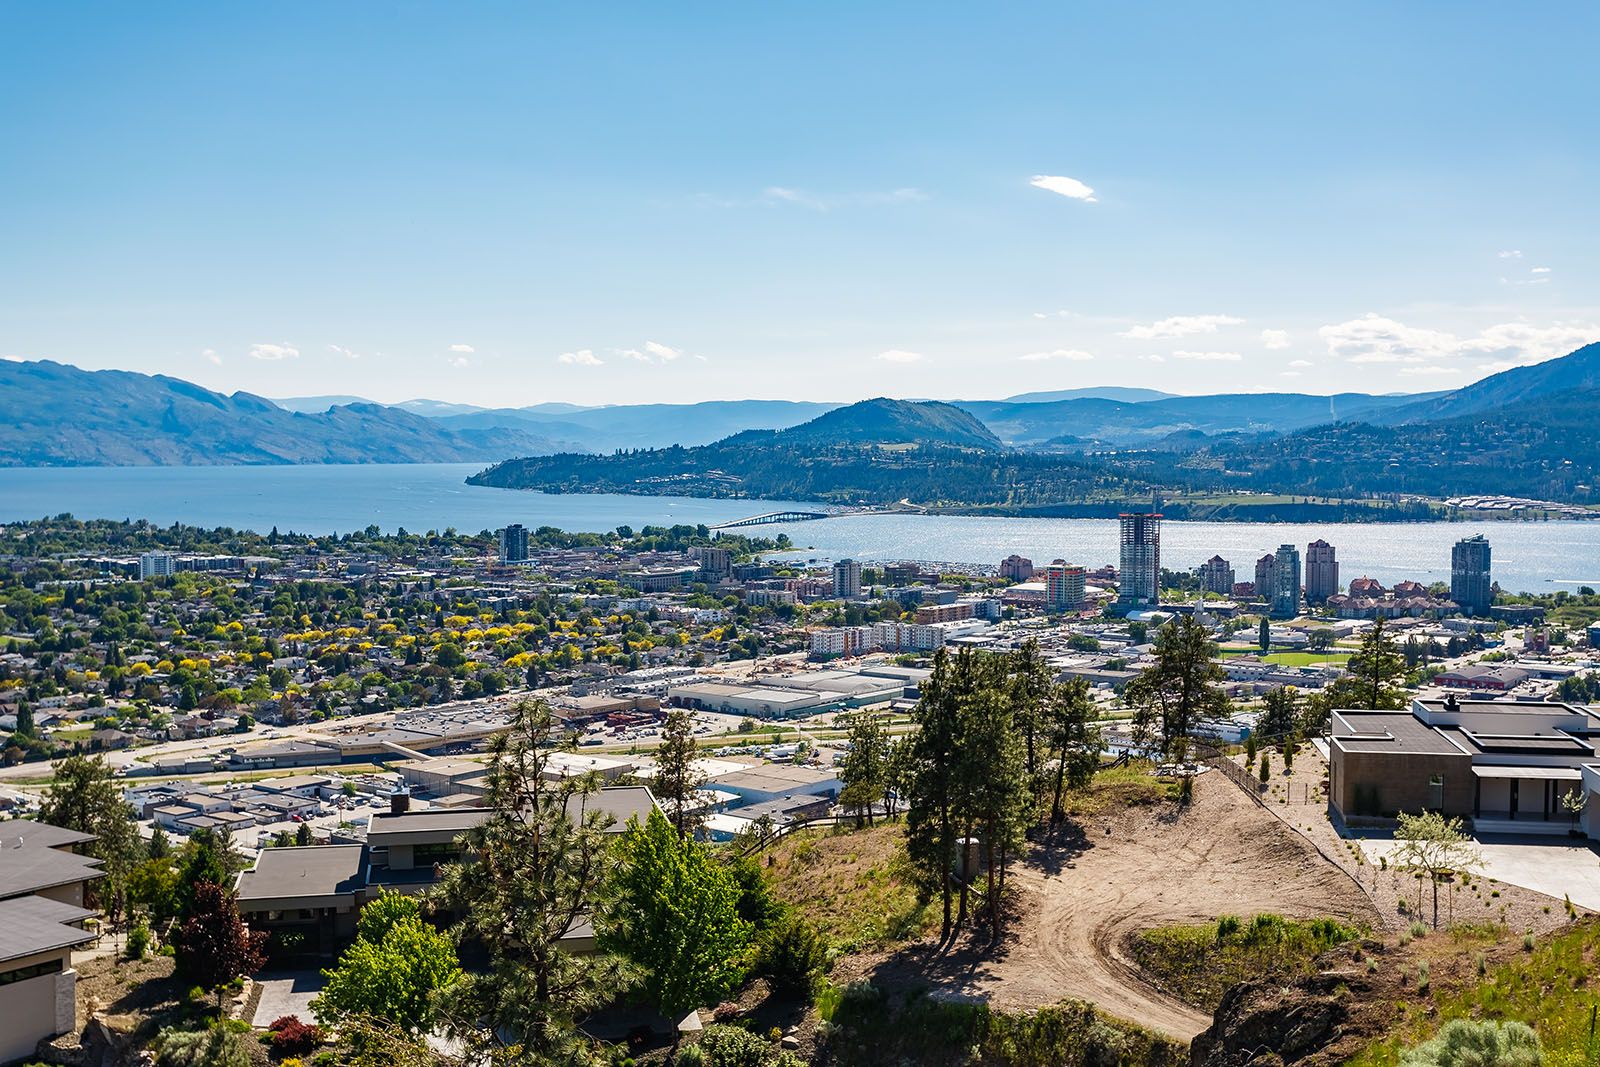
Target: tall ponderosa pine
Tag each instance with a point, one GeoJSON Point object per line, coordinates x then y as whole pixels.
{"type": "Point", "coordinates": [933, 800]}
{"type": "Point", "coordinates": [1030, 688]}
{"type": "Point", "coordinates": [674, 912]}
{"type": "Point", "coordinates": [676, 778]}
{"type": "Point", "coordinates": [1072, 736]}
{"type": "Point", "coordinates": [966, 774]}
{"type": "Point", "coordinates": [1373, 674]}
{"type": "Point", "coordinates": [864, 772]}
{"type": "Point", "coordinates": [1280, 717]}
{"type": "Point", "coordinates": [1180, 690]}
{"type": "Point", "coordinates": [84, 797]}
{"type": "Point", "coordinates": [534, 870]}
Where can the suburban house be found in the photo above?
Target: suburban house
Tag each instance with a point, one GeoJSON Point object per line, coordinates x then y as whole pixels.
{"type": "Point", "coordinates": [42, 919]}
{"type": "Point", "coordinates": [1505, 764]}
{"type": "Point", "coordinates": [310, 898]}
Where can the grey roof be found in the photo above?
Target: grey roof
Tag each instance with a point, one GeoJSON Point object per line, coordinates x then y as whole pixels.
{"type": "Point", "coordinates": [383, 826]}
{"type": "Point", "coordinates": [1392, 731]}
{"type": "Point", "coordinates": [40, 834]}
{"type": "Point", "coordinates": [38, 924]}
{"type": "Point", "coordinates": [311, 871]}
{"type": "Point", "coordinates": [26, 869]}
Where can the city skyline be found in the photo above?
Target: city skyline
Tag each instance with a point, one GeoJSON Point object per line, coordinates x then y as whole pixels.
{"type": "Point", "coordinates": [503, 207]}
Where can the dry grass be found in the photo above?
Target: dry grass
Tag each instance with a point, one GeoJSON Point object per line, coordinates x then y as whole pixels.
{"type": "Point", "coordinates": [854, 884]}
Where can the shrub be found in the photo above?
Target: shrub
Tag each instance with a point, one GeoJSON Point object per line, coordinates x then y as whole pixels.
{"type": "Point", "coordinates": [1465, 1043]}
{"type": "Point", "coordinates": [731, 1046]}
{"type": "Point", "coordinates": [1418, 929]}
{"type": "Point", "coordinates": [691, 1056]}
{"type": "Point", "coordinates": [291, 1037]}
{"type": "Point", "coordinates": [794, 957]}
{"type": "Point", "coordinates": [216, 1047]}
{"type": "Point", "coordinates": [1227, 926]}
{"type": "Point", "coordinates": [138, 941]}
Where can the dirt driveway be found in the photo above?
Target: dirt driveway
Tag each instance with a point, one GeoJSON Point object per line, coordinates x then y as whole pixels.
{"type": "Point", "coordinates": [1077, 900]}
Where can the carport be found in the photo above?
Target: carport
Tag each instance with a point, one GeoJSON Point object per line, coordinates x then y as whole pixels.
{"type": "Point", "coordinates": [1505, 792]}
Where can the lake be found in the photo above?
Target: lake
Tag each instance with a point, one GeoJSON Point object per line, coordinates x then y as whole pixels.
{"type": "Point", "coordinates": [1535, 557]}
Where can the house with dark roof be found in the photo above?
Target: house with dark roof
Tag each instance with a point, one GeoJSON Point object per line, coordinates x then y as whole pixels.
{"type": "Point", "coordinates": [42, 919]}
{"type": "Point", "coordinates": [309, 899]}
{"type": "Point", "coordinates": [1506, 765]}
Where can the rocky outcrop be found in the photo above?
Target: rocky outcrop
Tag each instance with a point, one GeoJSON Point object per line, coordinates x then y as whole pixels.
{"type": "Point", "coordinates": [1264, 1023]}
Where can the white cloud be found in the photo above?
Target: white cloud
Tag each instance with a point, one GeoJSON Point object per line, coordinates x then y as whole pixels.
{"type": "Point", "coordinates": [1539, 270]}
{"type": "Point", "coordinates": [1071, 188]}
{"type": "Point", "coordinates": [793, 196]}
{"type": "Point", "coordinates": [899, 355]}
{"type": "Point", "coordinates": [1181, 326]}
{"type": "Point", "coordinates": [465, 350]}
{"type": "Point", "coordinates": [583, 357]}
{"type": "Point", "coordinates": [1153, 358]}
{"type": "Point", "coordinates": [345, 352]}
{"type": "Point", "coordinates": [10, 358]}
{"type": "Point", "coordinates": [1511, 253]}
{"type": "Point", "coordinates": [1376, 339]}
{"type": "Point", "coordinates": [1429, 370]}
{"type": "Point", "coordinates": [1288, 374]}
{"type": "Point", "coordinates": [460, 361]}
{"type": "Point", "coordinates": [1274, 339]}
{"type": "Point", "coordinates": [1073, 354]}
{"type": "Point", "coordinates": [1301, 363]}
{"type": "Point", "coordinates": [274, 352]}
{"type": "Point", "coordinates": [651, 352]}
{"type": "Point", "coordinates": [207, 354]}
{"type": "Point", "coordinates": [1209, 357]}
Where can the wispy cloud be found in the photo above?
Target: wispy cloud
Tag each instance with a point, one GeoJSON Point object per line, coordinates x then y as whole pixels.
{"type": "Point", "coordinates": [1076, 355]}
{"type": "Point", "coordinates": [787, 194]}
{"type": "Point", "coordinates": [583, 357]}
{"type": "Point", "coordinates": [1274, 339]}
{"type": "Point", "coordinates": [1061, 185]}
{"type": "Point", "coordinates": [1061, 314]}
{"type": "Point", "coordinates": [1511, 253]}
{"type": "Point", "coordinates": [460, 361]}
{"type": "Point", "coordinates": [274, 351]}
{"type": "Point", "coordinates": [461, 349]}
{"type": "Point", "coordinates": [899, 355]}
{"type": "Point", "coordinates": [1429, 370]}
{"type": "Point", "coordinates": [1208, 357]}
{"type": "Point", "coordinates": [345, 352]}
{"type": "Point", "coordinates": [1181, 326]}
{"type": "Point", "coordinates": [1301, 363]}
{"type": "Point", "coordinates": [207, 354]}
{"type": "Point", "coordinates": [1539, 270]}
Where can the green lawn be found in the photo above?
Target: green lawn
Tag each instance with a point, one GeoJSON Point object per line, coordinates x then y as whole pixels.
{"type": "Point", "coordinates": [1290, 659]}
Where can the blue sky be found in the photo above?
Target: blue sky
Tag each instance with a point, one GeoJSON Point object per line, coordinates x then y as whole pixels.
{"type": "Point", "coordinates": [516, 203]}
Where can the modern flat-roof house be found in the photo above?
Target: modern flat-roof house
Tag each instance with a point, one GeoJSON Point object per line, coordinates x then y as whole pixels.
{"type": "Point", "coordinates": [42, 920]}
{"type": "Point", "coordinates": [309, 899]}
{"type": "Point", "coordinates": [1504, 764]}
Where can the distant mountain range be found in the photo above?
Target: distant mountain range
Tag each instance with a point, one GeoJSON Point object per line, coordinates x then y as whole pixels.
{"type": "Point", "coordinates": [1526, 431]}
{"type": "Point", "coordinates": [55, 415]}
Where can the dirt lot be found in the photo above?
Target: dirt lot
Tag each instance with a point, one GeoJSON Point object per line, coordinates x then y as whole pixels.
{"type": "Point", "coordinates": [1078, 899]}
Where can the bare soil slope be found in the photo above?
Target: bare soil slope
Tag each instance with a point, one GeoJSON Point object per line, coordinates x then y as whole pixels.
{"type": "Point", "coordinates": [1079, 897]}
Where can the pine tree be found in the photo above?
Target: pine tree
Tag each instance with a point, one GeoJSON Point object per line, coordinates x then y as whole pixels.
{"type": "Point", "coordinates": [1074, 739]}
{"type": "Point", "coordinates": [1030, 688]}
{"type": "Point", "coordinates": [1280, 716]}
{"type": "Point", "coordinates": [1179, 690]}
{"type": "Point", "coordinates": [864, 772]}
{"type": "Point", "coordinates": [676, 777]}
{"type": "Point", "coordinates": [84, 797]}
{"type": "Point", "coordinates": [534, 869]}
{"type": "Point", "coordinates": [932, 787]}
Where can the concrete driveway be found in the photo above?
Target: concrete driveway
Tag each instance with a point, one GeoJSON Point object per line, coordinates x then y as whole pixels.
{"type": "Point", "coordinates": [286, 993]}
{"type": "Point", "coordinates": [1554, 866]}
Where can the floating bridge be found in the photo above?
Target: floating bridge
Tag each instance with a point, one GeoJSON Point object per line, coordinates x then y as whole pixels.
{"type": "Point", "coordinates": [772, 517]}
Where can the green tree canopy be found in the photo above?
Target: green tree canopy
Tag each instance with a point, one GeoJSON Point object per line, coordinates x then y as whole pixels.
{"type": "Point", "coordinates": [394, 970]}
{"type": "Point", "coordinates": [1180, 690]}
{"type": "Point", "coordinates": [673, 911]}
